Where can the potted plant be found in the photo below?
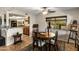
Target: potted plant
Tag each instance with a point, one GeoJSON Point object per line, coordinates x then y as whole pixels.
{"type": "Point", "coordinates": [17, 33]}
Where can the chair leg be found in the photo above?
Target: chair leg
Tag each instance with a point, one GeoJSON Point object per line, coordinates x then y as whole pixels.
{"type": "Point", "coordinates": [75, 39]}
{"type": "Point", "coordinates": [39, 48]}
{"type": "Point", "coordinates": [56, 48]}
{"type": "Point", "coordinates": [75, 43]}
{"type": "Point", "coordinates": [68, 40]}
{"type": "Point", "coordinates": [46, 47]}
{"type": "Point", "coordinates": [77, 47]}
{"type": "Point", "coordinates": [69, 37]}
{"type": "Point", "coordinates": [33, 47]}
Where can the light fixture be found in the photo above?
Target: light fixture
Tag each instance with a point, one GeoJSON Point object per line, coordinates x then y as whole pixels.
{"type": "Point", "coordinates": [45, 12]}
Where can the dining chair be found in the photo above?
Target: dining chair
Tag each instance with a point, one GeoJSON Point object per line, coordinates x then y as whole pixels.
{"type": "Point", "coordinates": [73, 31]}
{"type": "Point", "coordinates": [73, 36]}
{"type": "Point", "coordinates": [77, 43]}
{"type": "Point", "coordinates": [37, 41]}
{"type": "Point", "coordinates": [53, 41]}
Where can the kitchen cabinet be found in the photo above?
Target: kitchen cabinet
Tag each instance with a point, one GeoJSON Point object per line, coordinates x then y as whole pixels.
{"type": "Point", "coordinates": [26, 30]}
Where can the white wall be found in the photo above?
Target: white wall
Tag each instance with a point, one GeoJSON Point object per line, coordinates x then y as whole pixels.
{"type": "Point", "coordinates": [32, 21]}
{"type": "Point", "coordinates": [40, 19]}
{"type": "Point", "coordinates": [74, 14]}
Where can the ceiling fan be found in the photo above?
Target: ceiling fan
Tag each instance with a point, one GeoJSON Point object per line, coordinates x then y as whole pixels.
{"type": "Point", "coordinates": [46, 10]}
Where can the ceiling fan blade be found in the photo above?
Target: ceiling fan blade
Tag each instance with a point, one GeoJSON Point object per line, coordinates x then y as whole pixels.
{"type": "Point", "coordinates": [51, 11]}
{"type": "Point", "coordinates": [44, 7]}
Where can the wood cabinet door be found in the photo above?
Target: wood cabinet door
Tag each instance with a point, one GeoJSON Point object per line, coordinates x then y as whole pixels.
{"type": "Point", "coordinates": [26, 30]}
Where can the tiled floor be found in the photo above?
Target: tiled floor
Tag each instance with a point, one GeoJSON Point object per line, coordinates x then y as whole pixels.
{"type": "Point", "coordinates": [27, 42]}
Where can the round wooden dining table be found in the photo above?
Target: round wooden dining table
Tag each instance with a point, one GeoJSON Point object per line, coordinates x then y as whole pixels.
{"type": "Point", "coordinates": [46, 36]}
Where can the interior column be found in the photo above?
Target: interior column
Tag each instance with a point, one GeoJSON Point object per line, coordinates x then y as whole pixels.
{"type": "Point", "coordinates": [2, 20]}
{"type": "Point", "coordinates": [7, 19]}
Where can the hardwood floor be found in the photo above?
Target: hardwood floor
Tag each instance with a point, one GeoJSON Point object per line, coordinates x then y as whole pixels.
{"type": "Point", "coordinates": [27, 42]}
{"type": "Point", "coordinates": [67, 46]}
{"type": "Point", "coordinates": [70, 47]}
{"type": "Point", "coordinates": [62, 46]}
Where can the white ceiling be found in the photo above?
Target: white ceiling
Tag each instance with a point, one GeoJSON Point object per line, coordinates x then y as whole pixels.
{"type": "Point", "coordinates": [34, 10]}
{"type": "Point", "coordinates": [54, 8]}
{"type": "Point", "coordinates": [38, 9]}
{"type": "Point", "coordinates": [65, 8]}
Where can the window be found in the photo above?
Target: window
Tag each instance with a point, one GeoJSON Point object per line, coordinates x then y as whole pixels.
{"type": "Point", "coordinates": [57, 22]}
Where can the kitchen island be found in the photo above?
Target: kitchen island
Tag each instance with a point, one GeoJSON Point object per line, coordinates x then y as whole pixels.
{"type": "Point", "coordinates": [9, 32]}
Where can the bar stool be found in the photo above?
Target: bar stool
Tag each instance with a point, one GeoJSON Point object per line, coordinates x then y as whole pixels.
{"type": "Point", "coordinates": [78, 45]}
{"type": "Point", "coordinates": [77, 40]}
{"type": "Point", "coordinates": [73, 36]}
